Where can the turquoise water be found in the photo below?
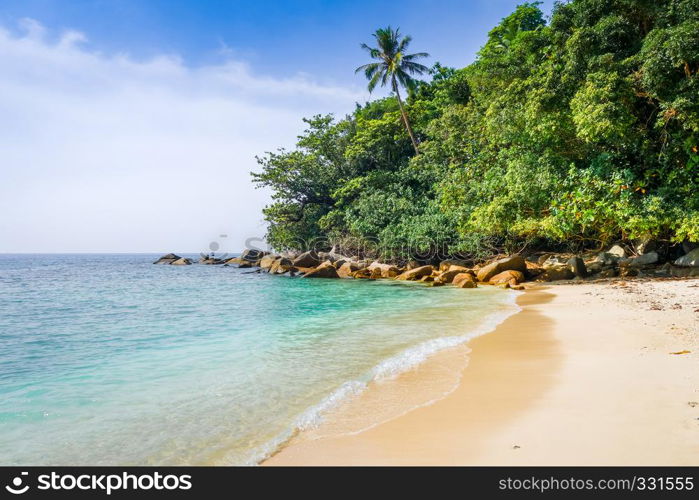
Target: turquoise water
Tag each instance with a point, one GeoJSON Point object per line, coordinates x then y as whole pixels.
{"type": "Point", "coordinates": [108, 359]}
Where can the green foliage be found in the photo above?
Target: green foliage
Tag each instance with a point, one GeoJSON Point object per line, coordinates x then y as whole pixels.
{"type": "Point", "coordinates": [575, 133]}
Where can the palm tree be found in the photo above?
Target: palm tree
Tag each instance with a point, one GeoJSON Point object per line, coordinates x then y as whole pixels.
{"type": "Point", "coordinates": [394, 67]}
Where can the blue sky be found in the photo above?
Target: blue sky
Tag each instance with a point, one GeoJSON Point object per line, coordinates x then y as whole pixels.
{"type": "Point", "coordinates": [276, 37]}
{"type": "Point", "coordinates": [131, 126]}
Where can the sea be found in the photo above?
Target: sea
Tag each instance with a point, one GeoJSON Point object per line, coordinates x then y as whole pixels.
{"type": "Point", "coordinates": [107, 359]}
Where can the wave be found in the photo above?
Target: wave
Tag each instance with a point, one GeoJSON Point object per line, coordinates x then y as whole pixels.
{"type": "Point", "coordinates": [390, 368]}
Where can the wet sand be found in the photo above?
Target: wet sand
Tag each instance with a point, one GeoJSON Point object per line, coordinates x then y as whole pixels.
{"type": "Point", "coordinates": [583, 375]}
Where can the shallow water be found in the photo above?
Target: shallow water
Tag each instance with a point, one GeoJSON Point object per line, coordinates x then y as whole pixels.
{"type": "Point", "coordinates": [108, 359]}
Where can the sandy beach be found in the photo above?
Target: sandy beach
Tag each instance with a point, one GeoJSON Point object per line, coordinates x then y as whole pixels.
{"type": "Point", "coordinates": [585, 374]}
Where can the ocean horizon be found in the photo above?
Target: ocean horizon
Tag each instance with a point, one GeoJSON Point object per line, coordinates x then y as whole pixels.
{"type": "Point", "coordinates": [108, 359]}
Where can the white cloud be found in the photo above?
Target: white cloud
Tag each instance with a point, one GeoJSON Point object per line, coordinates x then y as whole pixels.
{"type": "Point", "coordinates": [107, 153]}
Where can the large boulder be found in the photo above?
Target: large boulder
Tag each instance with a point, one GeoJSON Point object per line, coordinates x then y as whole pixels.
{"type": "Point", "coordinates": [281, 265]}
{"type": "Point", "coordinates": [691, 259]}
{"type": "Point", "coordinates": [607, 259]}
{"type": "Point", "coordinates": [167, 259]}
{"type": "Point", "coordinates": [307, 259]}
{"type": "Point", "coordinates": [577, 266]}
{"type": "Point", "coordinates": [267, 261]}
{"type": "Point", "coordinates": [448, 276]}
{"type": "Point", "coordinates": [252, 255]}
{"type": "Point", "coordinates": [182, 262]}
{"type": "Point", "coordinates": [507, 277]}
{"type": "Point", "coordinates": [618, 251]}
{"type": "Point", "coordinates": [512, 263]}
{"type": "Point", "coordinates": [362, 274]}
{"type": "Point", "coordinates": [559, 272]}
{"type": "Point", "coordinates": [642, 260]}
{"type": "Point", "coordinates": [211, 261]}
{"type": "Point", "coordinates": [416, 274]}
{"type": "Point", "coordinates": [464, 280]}
{"type": "Point", "coordinates": [346, 269]}
{"type": "Point", "coordinates": [445, 265]}
{"type": "Point", "coordinates": [325, 270]}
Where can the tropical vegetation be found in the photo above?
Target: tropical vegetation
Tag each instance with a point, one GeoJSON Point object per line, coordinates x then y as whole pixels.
{"type": "Point", "coordinates": [568, 132]}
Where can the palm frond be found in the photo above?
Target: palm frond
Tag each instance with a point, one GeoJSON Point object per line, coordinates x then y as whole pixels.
{"type": "Point", "coordinates": [414, 68]}
{"type": "Point", "coordinates": [410, 57]}
{"type": "Point", "coordinates": [375, 80]}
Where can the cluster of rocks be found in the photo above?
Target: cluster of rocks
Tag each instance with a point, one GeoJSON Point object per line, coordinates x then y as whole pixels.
{"type": "Point", "coordinates": [173, 260]}
{"type": "Point", "coordinates": [506, 272]}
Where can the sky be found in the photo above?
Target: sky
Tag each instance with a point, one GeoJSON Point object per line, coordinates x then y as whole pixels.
{"type": "Point", "coordinates": [132, 125]}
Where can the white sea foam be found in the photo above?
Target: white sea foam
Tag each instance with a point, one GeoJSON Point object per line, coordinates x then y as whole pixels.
{"type": "Point", "coordinates": [390, 368]}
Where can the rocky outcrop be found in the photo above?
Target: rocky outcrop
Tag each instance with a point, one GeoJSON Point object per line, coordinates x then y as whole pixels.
{"type": "Point", "coordinates": [167, 259]}
{"type": "Point", "coordinates": [448, 276]}
{"type": "Point", "coordinates": [346, 269]}
{"type": "Point", "coordinates": [324, 270]}
{"type": "Point", "coordinates": [182, 262]}
{"type": "Point", "coordinates": [267, 261]}
{"type": "Point", "coordinates": [387, 270]}
{"type": "Point", "coordinates": [464, 280]}
{"type": "Point", "coordinates": [691, 259]}
{"type": "Point", "coordinates": [307, 259]}
{"type": "Point", "coordinates": [415, 274]}
{"type": "Point", "coordinates": [281, 265]}
{"type": "Point", "coordinates": [252, 255]}
{"type": "Point", "coordinates": [507, 277]}
{"type": "Point", "coordinates": [512, 263]}
{"type": "Point", "coordinates": [211, 261]}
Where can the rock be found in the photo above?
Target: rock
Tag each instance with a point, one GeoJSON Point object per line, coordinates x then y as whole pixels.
{"type": "Point", "coordinates": [267, 261]}
{"type": "Point", "coordinates": [208, 261]}
{"type": "Point", "coordinates": [362, 274]}
{"type": "Point", "coordinates": [618, 251]}
{"type": "Point", "coordinates": [464, 280]}
{"type": "Point", "coordinates": [607, 259]}
{"type": "Point", "coordinates": [375, 273]}
{"type": "Point", "coordinates": [390, 272]}
{"type": "Point", "coordinates": [645, 245]}
{"type": "Point", "coordinates": [688, 246]}
{"type": "Point", "coordinates": [245, 264]}
{"type": "Point", "coordinates": [281, 265]}
{"type": "Point", "coordinates": [684, 272]}
{"type": "Point", "coordinates": [325, 270]}
{"type": "Point", "coordinates": [307, 259]}
{"type": "Point", "coordinates": [413, 264]}
{"type": "Point", "coordinates": [560, 272]}
{"type": "Point", "coordinates": [416, 273]}
{"type": "Point", "coordinates": [642, 260]}
{"type": "Point", "coordinates": [445, 265]}
{"type": "Point", "coordinates": [518, 287]}
{"type": "Point", "coordinates": [543, 258]}
{"type": "Point", "coordinates": [689, 260]}
{"type": "Point", "coordinates": [167, 259]}
{"type": "Point", "coordinates": [512, 263]}
{"type": "Point", "coordinates": [577, 266]}
{"type": "Point", "coordinates": [609, 272]}
{"type": "Point", "coordinates": [182, 262]}
{"type": "Point", "coordinates": [346, 269]}
{"type": "Point", "coordinates": [448, 276]}
{"type": "Point", "coordinates": [463, 269]}
{"type": "Point", "coordinates": [509, 277]}
{"type": "Point", "coordinates": [427, 279]}
{"type": "Point", "coordinates": [252, 255]}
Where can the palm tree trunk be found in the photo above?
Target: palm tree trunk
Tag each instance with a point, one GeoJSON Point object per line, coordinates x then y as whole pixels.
{"type": "Point", "coordinates": [405, 117]}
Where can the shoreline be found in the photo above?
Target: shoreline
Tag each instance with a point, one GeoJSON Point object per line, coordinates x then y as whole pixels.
{"type": "Point", "coordinates": [582, 375]}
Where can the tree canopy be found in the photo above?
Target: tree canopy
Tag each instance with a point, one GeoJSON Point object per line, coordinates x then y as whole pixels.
{"type": "Point", "coordinates": [571, 132]}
